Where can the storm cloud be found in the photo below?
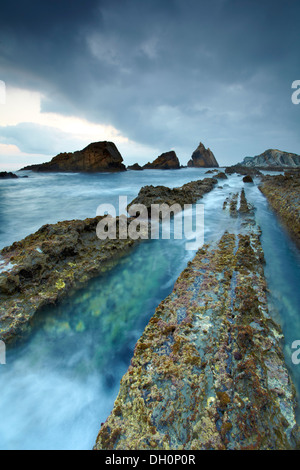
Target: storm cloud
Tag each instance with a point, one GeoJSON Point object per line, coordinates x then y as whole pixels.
{"type": "Point", "coordinates": [165, 74]}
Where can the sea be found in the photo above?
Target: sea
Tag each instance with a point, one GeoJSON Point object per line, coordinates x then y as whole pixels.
{"type": "Point", "coordinates": [60, 384]}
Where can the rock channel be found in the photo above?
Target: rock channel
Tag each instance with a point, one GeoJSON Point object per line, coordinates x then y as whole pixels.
{"type": "Point", "coordinates": [208, 371]}
{"type": "Point", "coordinates": [58, 258]}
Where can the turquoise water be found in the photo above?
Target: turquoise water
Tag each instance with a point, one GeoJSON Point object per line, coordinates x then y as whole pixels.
{"type": "Point", "coordinates": [60, 384]}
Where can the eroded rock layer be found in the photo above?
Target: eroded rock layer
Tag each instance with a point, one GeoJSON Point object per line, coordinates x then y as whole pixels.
{"type": "Point", "coordinates": [283, 194]}
{"type": "Point", "coordinates": [208, 371]}
{"type": "Point", "coordinates": [96, 157]}
{"type": "Point", "coordinates": [46, 266]}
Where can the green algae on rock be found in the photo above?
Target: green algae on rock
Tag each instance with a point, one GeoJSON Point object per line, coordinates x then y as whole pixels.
{"type": "Point", "coordinates": [283, 195]}
{"type": "Point", "coordinates": [47, 265]}
{"type": "Point", "coordinates": [208, 371]}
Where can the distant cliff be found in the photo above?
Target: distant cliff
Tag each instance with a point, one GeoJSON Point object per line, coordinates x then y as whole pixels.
{"type": "Point", "coordinates": [96, 157]}
{"type": "Point", "coordinates": [273, 158]}
{"type": "Point", "coordinates": [166, 161]}
{"type": "Point", "coordinates": [203, 158]}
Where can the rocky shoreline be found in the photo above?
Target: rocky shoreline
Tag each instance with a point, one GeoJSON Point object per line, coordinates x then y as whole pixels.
{"type": "Point", "coordinates": [45, 266]}
{"type": "Point", "coordinates": [208, 371]}
{"type": "Point", "coordinates": [283, 195]}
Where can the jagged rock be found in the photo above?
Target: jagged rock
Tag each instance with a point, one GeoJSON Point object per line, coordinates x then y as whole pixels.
{"type": "Point", "coordinates": [283, 194]}
{"type": "Point", "coordinates": [166, 161]}
{"type": "Point", "coordinates": [60, 258]}
{"type": "Point", "coordinates": [7, 175]}
{"type": "Point", "coordinates": [187, 194]}
{"type": "Point", "coordinates": [96, 157]}
{"type": "Point", "coordinates": [202, 158]}
{"type": "Point", "coordinates": [47, 265]}
{"type": "Point", "coordinates": [273, 158]}
{"type": "Point", "coordinates": [135, 167]}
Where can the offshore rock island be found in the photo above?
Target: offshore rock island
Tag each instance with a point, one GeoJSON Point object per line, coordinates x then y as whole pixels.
{"type": "Point", "coordinates": [203, 157]}
{"type": "Point", "coordinates": [105, 157]}
{"type": "Point", "coordinates": [96, 157]}
{"type": "Point", "coordinates": [208, 372]}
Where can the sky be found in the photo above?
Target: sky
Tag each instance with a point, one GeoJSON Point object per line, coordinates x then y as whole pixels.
{"type": "Point", "coordinates": [149, 75]}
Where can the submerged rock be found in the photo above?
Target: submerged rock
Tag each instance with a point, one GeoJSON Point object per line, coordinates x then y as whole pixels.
{"type": "Point", "coordinates": [166, 161]}
{"type": "Point", "coordinates": [202, 158]}
{"type": "Point", "coordinates": [96, 157]}
{"type": "Point", "coordinates": [283, 195]}
{"type": "Point", "coordinates": [208, 371]}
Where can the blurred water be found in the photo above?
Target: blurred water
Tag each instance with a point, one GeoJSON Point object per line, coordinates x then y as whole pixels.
{"type": "Point", "coordinates": [58, 386]}
{"type": "Point", "coordinates": [28, 203]}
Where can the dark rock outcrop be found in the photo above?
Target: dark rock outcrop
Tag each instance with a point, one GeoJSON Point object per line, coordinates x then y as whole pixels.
{"type": "Point", "coordinates": [203, 158]}
{"type": "Point", "coordinates": [242, 170]}
{"type": "Point", "coordinates": [189, 193]}
{"type": "Point", "coordinates": [248, 179]}
{"type": "Point", "coordinates": [166, 161]}
{"type": "Point", "coordinates": [283, 195]}
{"type": "Point", "coordinates": [135, 167]}
{"type": "Point", "coordinates": [7, 175]}
{"type": "Point", "coordinates": [273, 159]}
{"type": "Point", "coordinates": [96, 157]}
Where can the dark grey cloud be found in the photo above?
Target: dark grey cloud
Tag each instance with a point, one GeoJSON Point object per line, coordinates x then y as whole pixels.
{"type": "Point", "coordinates": [165, 73]}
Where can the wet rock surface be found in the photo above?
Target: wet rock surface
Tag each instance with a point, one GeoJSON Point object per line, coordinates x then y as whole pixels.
{"type": "Point", "coordinates": [96, 157]}
{"type": "Point", "coordinates": [283, 195]}
{"type": "Point", "coordinates": [242, 170]}
{"type": "Point", "coordinates": [46, 266]}
{"type": "Point", "coordinates": [208, 371]}
{"type": "Point", "coordinates": [202, 158]}
{"type": "Point", "coordinates": [273, 158]}
{"type": "Point", "coordinates": [166, 161]}
{"type": "Point", "coordinates": [187, 194]}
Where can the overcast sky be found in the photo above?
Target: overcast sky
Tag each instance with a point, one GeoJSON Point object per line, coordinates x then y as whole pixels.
{"type": "Point", "coordinates": [150, 75]}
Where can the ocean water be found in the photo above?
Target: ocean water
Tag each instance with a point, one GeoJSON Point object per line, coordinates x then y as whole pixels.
{"type": "Point", "coordinates": [58, 386]}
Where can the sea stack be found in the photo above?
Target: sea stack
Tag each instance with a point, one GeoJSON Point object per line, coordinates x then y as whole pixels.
{"type": "Point", "coordinates": [203, 158]}
{"type": "Point", "coordinates": [96, 157]}
{"type": "Point", "coordinates": [166, 161]}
